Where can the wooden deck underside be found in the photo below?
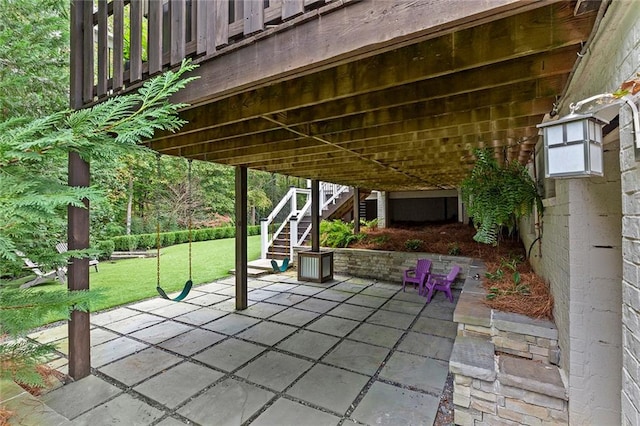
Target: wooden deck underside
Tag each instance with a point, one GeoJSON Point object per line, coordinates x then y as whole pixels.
{"type": "Point", "coordinates": [383, 95]}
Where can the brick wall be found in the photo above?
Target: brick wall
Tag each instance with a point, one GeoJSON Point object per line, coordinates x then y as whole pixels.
{"type": "Point", "coordinates": [612, 57]}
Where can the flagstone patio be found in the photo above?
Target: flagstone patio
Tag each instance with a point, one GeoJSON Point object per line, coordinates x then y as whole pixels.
{"type": "Point", "coordinates": [351, 351]}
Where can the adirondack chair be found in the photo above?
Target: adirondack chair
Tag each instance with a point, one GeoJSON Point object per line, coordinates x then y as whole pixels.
{"type": "Point", "coordinates": [59, 273]}
{"type": "Point", "coordinates": [442, 283]}
{"type": "Point", "coordinates": [63, 248]}
{"type": "Point", "coordinates": [418, 275]}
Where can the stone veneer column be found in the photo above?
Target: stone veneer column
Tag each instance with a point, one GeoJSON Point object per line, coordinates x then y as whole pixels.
{"type": "Point", "coordinates": [383, 209]}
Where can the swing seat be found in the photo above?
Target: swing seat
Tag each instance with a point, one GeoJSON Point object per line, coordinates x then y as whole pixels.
{"type": "Point", "coordinates": [182, 295]}
{"type": "Point", "coordinates": [284, 267]}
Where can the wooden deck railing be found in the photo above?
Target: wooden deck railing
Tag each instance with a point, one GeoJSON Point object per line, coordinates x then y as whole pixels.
{"type": "Point", "coordinates": [134, 39]}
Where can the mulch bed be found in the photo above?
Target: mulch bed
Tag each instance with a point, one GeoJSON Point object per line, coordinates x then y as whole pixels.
{"type": "Point", "coordinates": [457, 238]}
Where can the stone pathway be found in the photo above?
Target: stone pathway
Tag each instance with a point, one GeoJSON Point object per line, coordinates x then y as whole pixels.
{"type": "Point", "coordinates": [351, 351]}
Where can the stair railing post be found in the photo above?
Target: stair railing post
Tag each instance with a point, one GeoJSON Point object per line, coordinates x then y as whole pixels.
{"type": "Point", "coordinates": [264, 237]}
{"type": "Point", "coordinates": [322, 198]}
{"type": "Point", "coordinates": [294, 201]}
{"type": "Point", "coordinates": [293, 236]}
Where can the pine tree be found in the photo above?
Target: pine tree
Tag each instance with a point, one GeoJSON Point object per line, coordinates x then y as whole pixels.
{"type": "Point", "coordinates": [34, 198]}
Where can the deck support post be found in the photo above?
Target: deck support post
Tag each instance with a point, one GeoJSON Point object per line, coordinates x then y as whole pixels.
{"type": "Point", "coordinates": [315, 215]}
{"type": "Point", "coordinates": [241, 238]}
{"type": "Point", "coordinates": [78, 218]}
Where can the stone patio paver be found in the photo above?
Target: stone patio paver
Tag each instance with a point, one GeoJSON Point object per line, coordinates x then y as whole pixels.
{"type": "Point", "coordinates": [75, 398]}
{"type": "Point", "coordinates": [436, 327]}
{"type": "Point", "coordinates": [364, 300]}
{"type": "Point", "coordinates": [261, 294]}
{"type": "Point", "coordinates": [262, 310]}
{"type": "Point", "coordinates": [113, 350]}
{"type": "Point", "coordinates": [267, 333]}
{"type": "Point", "coordinates": [135, 323]}
{"type": "Point", "coordinates": [124, 409]}
{"type": "Point", "coordinates": [229, 403]}
{"type": "Point", "coordinates": [333, 325]}
{"type": "Point", "coordinates": [208, 299]}
{"type": "Point", "coordinates": [285, 412]}
{"type": "Point", "coordinates": [376, 335]}
{"type": "Point", "coordinates": [51, 334]}
{"type": "Point", "coordinates": [274, 370]}
{"type": "Point", "coordinates": [392, 406]}
{"type": "Point", "coordinates": [357, 356]}
{"type": "Point", "coordinates": [161, 332]}
{"type": "Point", "coordinates": [358, 313]}
{"type": "Point", "coordinates": [170, 421]}
{"type": "Point", "coordinates": [287, 299]}
{"type": "Point", "coordinates": [344, 387]}
{"type": "Point", "coordinates": [317, 305]}
{"type": "Point", "coordinates": [112, 316]}
{"type": "Point", "coordinates": [100, 336]}
{"type": "Point", "coordinates": [179, 383]}
{"type": "Point", "coordinates": [138, 367]}
{"type": "Point", "coordinates": [231, 324]}
{"type": "Point", "coordinates": [418, 372]}
{"type": "Point", "coordinates": [192, 341]}
{"type": "Point", "coordinates": [305, 290]}
{"type": "Point", "coordinates": [295, 317]}
{"type": "Point", "coordinates": [427, 345]}
{"type": "Point", "coordinates": [391, 319]}
{"type": "Point", "coordinates": [190, 362]}
{"type": "Point", "coordinates": [281, 287]}
{"type": "Point", "coordinates": [308, 343]}
{"type": "Point", "coordinates": [229, 354]}
{"type": "Point", "coordinates": [175, 309]}
{"type": "Point", "coordinates": [335, 295]}
{"type": "Point", "coordinates": [402, 306]}
{"type": "Point", "coordinates": [201, 316]}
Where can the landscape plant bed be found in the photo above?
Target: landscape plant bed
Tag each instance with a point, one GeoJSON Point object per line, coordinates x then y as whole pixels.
{"type": "Point", "coordinates": [532, 298]}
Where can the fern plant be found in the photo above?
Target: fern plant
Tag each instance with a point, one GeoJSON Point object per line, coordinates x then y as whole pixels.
{"type": "Point", "coordinates": [496, 196]}
{"type": "Point", "coordinates": [336, 233]}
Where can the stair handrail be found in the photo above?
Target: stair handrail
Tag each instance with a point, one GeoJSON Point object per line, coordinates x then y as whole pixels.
{"type": "Point", "coordinates": [296, 215]}
{"type": "Point", "coordinates": [290, 198]}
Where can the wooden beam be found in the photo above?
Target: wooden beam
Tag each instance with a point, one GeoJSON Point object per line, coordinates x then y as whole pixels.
{"type": "Point", "coordinates": [436, 55]}
{"type": "Point", "coordinates": [178, 28]}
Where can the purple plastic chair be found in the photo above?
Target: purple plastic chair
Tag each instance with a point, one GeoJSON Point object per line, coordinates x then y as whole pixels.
{"type": "Point", "coordinates": [442, 283]}
{"type": "Point", "coordinates": [418, 275]}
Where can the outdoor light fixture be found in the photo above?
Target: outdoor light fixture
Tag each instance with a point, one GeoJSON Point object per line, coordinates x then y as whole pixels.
{"type": "Point", "coordinates": [573, 144]}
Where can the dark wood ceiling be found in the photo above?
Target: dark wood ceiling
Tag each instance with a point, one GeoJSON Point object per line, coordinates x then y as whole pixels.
{"type": "Point", "coordinates": [402, 118]}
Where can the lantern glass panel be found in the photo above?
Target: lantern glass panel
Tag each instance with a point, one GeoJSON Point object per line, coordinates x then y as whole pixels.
{"type": "Point", "coordinates": [566, 159]}
{"type": "Point", "coordinates": [595, 151]}
{"type": "Point", "coordinates": [554, 135]}
{"type": "Point", "coordinates": [575, 131]}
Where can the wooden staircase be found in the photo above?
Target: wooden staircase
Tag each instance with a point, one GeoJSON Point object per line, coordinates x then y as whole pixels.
{"type": "Point", "coordinates": [341, 208]}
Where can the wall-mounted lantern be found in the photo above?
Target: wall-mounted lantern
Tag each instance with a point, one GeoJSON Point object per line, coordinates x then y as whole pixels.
{"type": "Point", "coordinates": [573, 146]}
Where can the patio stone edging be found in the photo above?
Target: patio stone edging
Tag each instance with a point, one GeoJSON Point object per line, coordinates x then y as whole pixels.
{"type": "Point", "coordinates": [491, 386]}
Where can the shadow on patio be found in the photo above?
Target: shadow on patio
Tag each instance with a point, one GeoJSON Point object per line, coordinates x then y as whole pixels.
{"type": "Point", "coordinates": [348, 351]}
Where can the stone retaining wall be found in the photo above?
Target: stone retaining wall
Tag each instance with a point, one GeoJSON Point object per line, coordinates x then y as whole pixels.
{"type": "Point", "coordinates": [503, 365]}
{"type": "Point", "coordinates": [390, 265]}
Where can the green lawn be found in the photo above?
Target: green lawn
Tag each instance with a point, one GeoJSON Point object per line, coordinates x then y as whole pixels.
{"type": "Point", "coordinates": [129, 280]}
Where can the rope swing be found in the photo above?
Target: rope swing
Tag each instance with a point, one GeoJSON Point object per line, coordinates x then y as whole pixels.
{"type": "Point", "coordinates": [189, 283]}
